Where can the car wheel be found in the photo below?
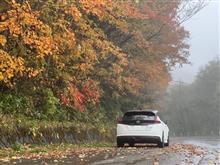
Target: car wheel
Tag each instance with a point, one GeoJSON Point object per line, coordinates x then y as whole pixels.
{"type": "Point", "coordinates": [168, 141]}
{"type": "Point", "coordinates": [161, 143]}
{"type": "Point", "coordinates": [131, 144]}
{"type": "Point", "coordinates": [120, 144]}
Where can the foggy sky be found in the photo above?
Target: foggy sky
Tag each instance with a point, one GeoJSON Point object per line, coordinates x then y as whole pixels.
{"type": "Point", "coordinates": [204, 41]}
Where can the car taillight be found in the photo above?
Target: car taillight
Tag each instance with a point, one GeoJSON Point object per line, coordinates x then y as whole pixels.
{"type": "Point", "coordinates": [119, 120]}
{"type": "Point", "coordinates": [157, 120]}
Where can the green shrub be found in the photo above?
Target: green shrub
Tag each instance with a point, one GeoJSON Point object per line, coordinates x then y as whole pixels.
{"type": "Point", "coordinates": [17, 147]}
{"type": "Point", "coordinates": [14, 104]}
{"type": "Point", "coordinates": [50, 104]}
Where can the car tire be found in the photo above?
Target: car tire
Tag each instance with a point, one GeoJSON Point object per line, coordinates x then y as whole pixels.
{"type": "Point", "coordinates": [161, 143]}
{"type": "Point", "coordinates": [131, 144]}
{"type": "Point", "coordinates": [120, 144]}
{"type": "Point", "coordinates": [168, 142]}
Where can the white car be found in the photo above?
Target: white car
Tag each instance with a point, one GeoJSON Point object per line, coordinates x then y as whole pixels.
{"type": "Point", "coordinates": [142, 126]}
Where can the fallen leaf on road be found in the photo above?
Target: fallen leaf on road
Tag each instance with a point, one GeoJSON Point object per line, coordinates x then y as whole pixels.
{"type": "Point", "coordinates": [5, 160]}
{"type": "Point", "coordinates": [82, 156]}
{"type": "Point", "coordinates": [14, 157]}
{"type": "Point", "coordinates": [55, 161]}
{"type": "Point", "coordinates": [211, 161]}
{"type": "Point", "coordinates": [156, 163]}
{"type": "Point", "coordinates": [122, 157]}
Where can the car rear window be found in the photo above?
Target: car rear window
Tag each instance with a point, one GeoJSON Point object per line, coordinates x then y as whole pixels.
{"type": "Point", "coordinates": [143, 117]}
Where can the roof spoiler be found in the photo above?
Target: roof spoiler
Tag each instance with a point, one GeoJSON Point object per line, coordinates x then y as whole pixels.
{"type": "Point", "coordinates": [147, 110]}
{"type": "Point", "coordinates": [155, 111]}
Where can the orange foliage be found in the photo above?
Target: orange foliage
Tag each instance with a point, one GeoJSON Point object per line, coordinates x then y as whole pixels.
{"type": "Point", "coordinates": [96, 7]}
{"type": "Point", "coordinates": [10, 67]}
{"type": "Point", "coordinates": [76, 98]}
{"type": "Point", "coordinates": [74, 42]}
{"type": "Point", "coordinates": [75, 13]}
{"type": "Point", "coordinates": [23, 24]}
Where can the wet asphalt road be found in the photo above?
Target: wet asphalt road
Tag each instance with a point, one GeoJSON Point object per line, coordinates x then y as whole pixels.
{"type": "Point", "coordinates": [182, 151]}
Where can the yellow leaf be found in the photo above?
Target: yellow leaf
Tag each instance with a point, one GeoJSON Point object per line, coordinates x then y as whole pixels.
{"type": "Point", "coordinates": [3, 40]}
{"type": "Point", "coordinates": [1, 76]}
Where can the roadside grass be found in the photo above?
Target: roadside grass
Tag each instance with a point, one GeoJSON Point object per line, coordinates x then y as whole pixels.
{"type": "Point", "coordinates": [15, 131]}
{"type": "Point", "coordinates": [18, 150]}
{"type": "Point", "coordinates": [47, 138]}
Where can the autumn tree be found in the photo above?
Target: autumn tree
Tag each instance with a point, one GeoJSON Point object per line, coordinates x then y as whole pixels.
{"type": "Point", "coordinates": [154, 43]}
{"type": "Point", "coordinates": [57, 45]}
{"type": "Point", "coordinates": [76, 54]}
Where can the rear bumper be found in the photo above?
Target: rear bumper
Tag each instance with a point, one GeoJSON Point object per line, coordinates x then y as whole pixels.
{"type": "Point", "coordinates": [138, 139]}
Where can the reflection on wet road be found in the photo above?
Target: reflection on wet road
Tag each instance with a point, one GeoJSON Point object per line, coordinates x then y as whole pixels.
{"type": "Point", "coordinates": [182, 151]}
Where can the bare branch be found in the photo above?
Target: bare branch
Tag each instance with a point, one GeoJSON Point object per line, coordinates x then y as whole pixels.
{"type": "Point", "coordinates": [189, 8]}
